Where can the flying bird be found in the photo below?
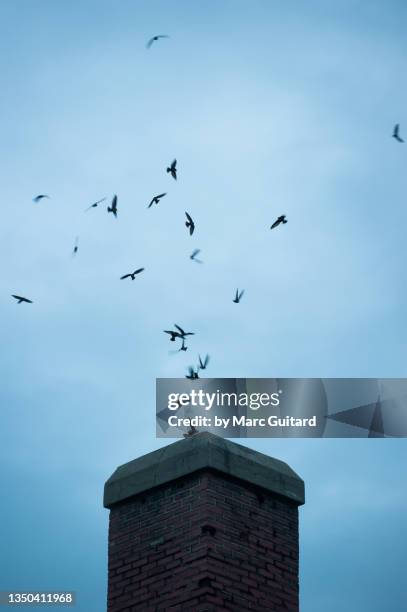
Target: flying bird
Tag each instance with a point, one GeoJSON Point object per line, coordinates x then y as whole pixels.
{"type": "Point", "coordinates": [156, 199]}
{"type": "Point", "coordinates": [21, 299]}
{"type": "Point", "coordinates": [238, 296]}
{"type": "Point", "coordinates": [183, 333]}
{"type": "Point", "coordinates": [194, 254]}
{"type": "Point", "coordinates": [75, 249]}
{"type": "Point", "coordinates": [94, 205]}
{"type": "Point", "coordinates": [396, 133]}
{"type": "Point", "coordinates": [132, 275]}
{"type": "Point", "coordinates": [202, 364]}
{"type": "Point", "coordinates": [113, 207]}
{"type": "Point", "coordinates": [178, 334]}
{"type": "Point", "coordinates": [40, 197]}
{"type": "Point", "coordinates": [155, 38]}
{"type": "Point", "coordinates": [173, 169]}
{"type": "Point", "coordinates": [189, 223]}
{"type": "Point", "coordinates": [280, 219]}
{"type": "Point", "coordinates": [192, 375]}
{"type": "Point", "coordinates": [183, 347]}
{"type": "Point", "coordinates": [173, 334]}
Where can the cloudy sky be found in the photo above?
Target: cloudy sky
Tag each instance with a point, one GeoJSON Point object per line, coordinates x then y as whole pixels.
{"type": "Point", "coordinates": [270, 108]}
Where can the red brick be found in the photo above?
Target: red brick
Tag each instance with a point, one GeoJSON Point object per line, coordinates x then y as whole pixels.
{"type": "Point", "coordinates": [158, 553]}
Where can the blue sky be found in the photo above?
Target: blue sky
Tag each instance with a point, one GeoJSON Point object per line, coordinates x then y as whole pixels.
{"type": "Point", "coordinates": [270, 108]}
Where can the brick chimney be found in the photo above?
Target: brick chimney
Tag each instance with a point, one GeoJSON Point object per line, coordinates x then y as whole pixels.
{"type": "Point", "coordinates": [203, 524]}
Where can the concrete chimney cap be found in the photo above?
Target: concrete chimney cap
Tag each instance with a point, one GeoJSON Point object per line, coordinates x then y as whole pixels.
{"type": "Point", "coordinates": [202, 451]}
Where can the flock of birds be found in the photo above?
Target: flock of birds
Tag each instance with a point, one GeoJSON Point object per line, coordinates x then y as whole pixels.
{"type": "Point", "coordinates": [178, 333]}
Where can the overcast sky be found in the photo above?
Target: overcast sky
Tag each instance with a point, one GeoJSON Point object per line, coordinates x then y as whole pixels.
{"type": "Point", "coordinates": [270, 108]}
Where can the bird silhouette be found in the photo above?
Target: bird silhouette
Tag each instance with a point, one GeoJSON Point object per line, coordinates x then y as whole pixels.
{"type": "Point", "coordinates": [183, 333]}
{"type": "Point", "coordinates": [183, 347]}
{"type": "Point", "coordinates": [132, 275]}
{"type": "Point", "coordinates": [189, 223]}
{"type": "Point", "coordinates": [173, 169]}
{"type": "Point", "coordinates": [40, 197]}
{"type": "Point", "coordinates": [396, 133]}
{"type": "Point", "coordinates": [202, 364]}
{"type": "Point", "coordinates": [192, 375]}
{"type": "Point", "coordinates": [21, 299]}
{"type": "Point", "coordinates": [238, 296]}
{"type": "Point", "coordinates": [155, 38]}
{"type": "Point", "coordinates": [113, 207]}
{"type": "Point", "coordinates": [191, 432]}
{"type": "Point", "coordinates": [95, 204]}
{"type": "Point", "coordinates": [156, 199]}
{"type": "Point", "coordinates": [173, 334]}
{"type": "Point", "coordinates": [280, 219]}
{"type": "Point", "coordinates": [194, 254]}
{"type": "Point", "coordinates": [75, 249]}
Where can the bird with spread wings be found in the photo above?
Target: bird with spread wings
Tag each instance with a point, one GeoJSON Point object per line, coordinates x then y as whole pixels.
{"type": "Point", "coordinates": [155, 38]}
